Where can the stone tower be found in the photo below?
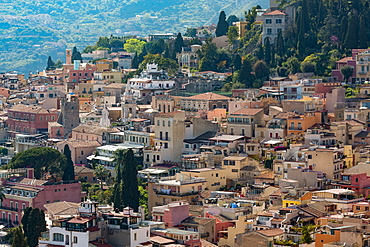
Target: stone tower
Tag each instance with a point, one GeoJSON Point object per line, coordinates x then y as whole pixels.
{"type": "Point", "coordinates": [69, 116]}
{"type": "Point", "coordinates": [128, 106]}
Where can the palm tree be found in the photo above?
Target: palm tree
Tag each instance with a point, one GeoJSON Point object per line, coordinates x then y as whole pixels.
{"type": "Point", "coordinates": [101, 172]}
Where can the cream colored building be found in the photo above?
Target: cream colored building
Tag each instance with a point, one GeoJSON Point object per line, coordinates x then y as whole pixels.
{"type": "Point", "coordinates": [215, 177]}
{"type": "Point", "coordinates": [244, 122]}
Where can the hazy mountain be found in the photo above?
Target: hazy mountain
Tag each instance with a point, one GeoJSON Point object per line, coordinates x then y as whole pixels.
{"type": "Point", "coordinates": [30, 31]}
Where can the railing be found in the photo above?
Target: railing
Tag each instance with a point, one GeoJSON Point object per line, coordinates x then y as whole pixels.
{"type": "Point", "coordinates": [9, 208]}
{"type": "Point", "coordinates": [158, 192]}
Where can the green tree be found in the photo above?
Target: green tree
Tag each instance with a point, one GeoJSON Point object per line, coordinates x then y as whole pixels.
{"type": "Point", "coordinates": [245, 73]}
{"type": "Point", "coordinates": [343, 28]}
{"type": "Point", "coordinates": [33, 225]}
{"type": "Point", "coordinates": [307, 67]}
{"type": "Point", "coordinates": [179, 43]}
{"type": "Point", "coordinates": [19, 239]}
{"type": "Point", "coordinates": [101, 172]}
{"type": "Point", "coordinates": [191, 32]}
{"type": "Point", "coordinates": [134, 46]}
{"type": "Point", "coordinates": [293, 64]}
{"type": "Point", "coordinates": [103, 42]}
{"type": "Point", "coordinates": [76, 55]}
{"type": "Point", "coordinates": [232, 34]}
{"type": "Point", "coordinates": [69, 172]}
{"type": "Point", "coordinates": [282, 71]}
{"type": "Point", "coordinates": [351, 40]}
{"type": "Point", "coordinates": [347, 72]}
{"type": "Point", "coordinates": [125, 189]}
{"type": "Point", "coordinates": [129, 174]}
{"type": "Point", "coordinates": [222, 25]}
{"type": "Point", "coordinates": [280, 48]}
{"type": "Point", "coordinates": [167, 64]}
{"type": "Point", "coordinates": [237, 62]}
{"type": "Point", "coordinates": [267, 51]}
{"type": "Point", "coordinates": [306, 233]}
{"type": "Point", "coordinates": [208, 56]}
{"type": "Point", "coordinates": [261, 71]}
{"type": "Point", "coordinates": [362, 34]}
{"type": "Point", "coordinates": [42, 159]}
{"type": "Point", "coordinates": [231, 19]}
{"type": "Point", "coordinates": [50, 64]}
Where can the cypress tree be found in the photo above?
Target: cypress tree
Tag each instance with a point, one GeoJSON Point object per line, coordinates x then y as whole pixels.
{"type": "Point", "coordinates": [166, 53]}
{"type": "Point", "coordinates": [305, 17]}
{"type": "Point", "coordinates": [76, 55]}
{"type": "Point", "coordinates": [135, 61]}
{"type": "Point", "coordinates": [260, 53]}
{"type": "Point", "coordinates": [351, 41]}
{"type": "Point", "coordinates": [50, 64]}
{"type": "Point", "coordinates": [362, 34]}
{"type": "Point", "coordinates": [222, 25]}
{"type": "Point", "coordinates": [245, 74]}
{"type": "Point", "coordinates": [267, 51]}
{"type": "Point", "coordinates": [69, 173]}
{"type": "Point", "coordinates": [19, 239]}
{"type": "Point", "coordinates": [280, 45]}
{"type": "Point", "coordinates": [179, 43]}
{"type": "Point", "coordinates": [130, 192]}
{"type": "Point", "coordinates": [34, 225]}
{"type": "Point", "coordinates": [343, 28]}
{"type": "Point", "coordinates": [301, 44]}
{"type": "Point", "coordinates": [273, 55]}
{"type": "Point", "coordinates": [237, 62]}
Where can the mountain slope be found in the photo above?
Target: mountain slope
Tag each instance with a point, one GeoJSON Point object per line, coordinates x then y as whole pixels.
{"type": "Point", "coordinates": [32, 30]}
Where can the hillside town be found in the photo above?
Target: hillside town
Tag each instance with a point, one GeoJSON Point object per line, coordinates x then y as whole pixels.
{"type": "Point", "coordinates": [107, 150]}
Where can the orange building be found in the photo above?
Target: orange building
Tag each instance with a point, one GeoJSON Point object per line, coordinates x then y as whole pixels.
{"type": "Point", "coordinates": [300, 124]}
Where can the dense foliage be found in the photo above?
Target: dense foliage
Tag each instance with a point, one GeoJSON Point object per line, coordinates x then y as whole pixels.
{"type": "Point", "coordinates": [42, 159]}
{"type": "Point", "coordinates": [69, 172]}
{"type": "Point", "coordinates": [33, 223]}
{"type": "Point", "coordinates": [30, 31]}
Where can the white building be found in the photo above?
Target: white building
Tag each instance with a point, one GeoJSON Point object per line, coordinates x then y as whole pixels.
{"type": "Point", "coordinates": [273, 23]}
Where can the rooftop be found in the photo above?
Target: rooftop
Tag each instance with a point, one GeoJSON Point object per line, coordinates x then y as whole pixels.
{"type": "Point", "coordinates": [207, 96]}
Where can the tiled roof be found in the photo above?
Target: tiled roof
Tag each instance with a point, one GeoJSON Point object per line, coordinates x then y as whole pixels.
{"type": "Point", "coordinates": [246, 111]}
{"type": "Point", "coordinates": [81, 143]}
{"type": "Point", "coordinates": [196, 220]}
{"type": "Point", "coordinates": [363, 134]}
{"type": "Point", "coordinates": [208, 96]}
{"type": "Point", "coordinates": [271, 232]}
{"type": "Point", "coordinates": [89, 129]}
{"type": "Point", "coordinates": [62, 208]}
{"type": "Point", "coordinates": [275, 12]}
{"type": "Point", "coordinates": [82, 169]}
{"type": "Point", "coordinates": [29, 109]}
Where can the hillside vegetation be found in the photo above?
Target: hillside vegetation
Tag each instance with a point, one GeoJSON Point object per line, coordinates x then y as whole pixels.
{"type": "Point", "coordinates": [30, 31]}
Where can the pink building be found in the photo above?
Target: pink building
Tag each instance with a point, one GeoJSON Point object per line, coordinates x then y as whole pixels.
{"type": "Point", "coordinates": [30, 119]}
{"type": "Point", "coordinates": [351, 61]}
{"type": "Point", "coordinates": [221, 224]}
{"type": "Point", "coordinates": [22, 192]}
{"type": "Point", "coordinates": [360, 183]}
{"type": "Point", "coordinates": [84, 74]}
{"type": "Point", "coordinates": [171, 214]}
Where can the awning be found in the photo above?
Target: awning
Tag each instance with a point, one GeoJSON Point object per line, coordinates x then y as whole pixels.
{"type": "Point", "coordinates": [93, 157]}
{"type": "Point", "coordinates": [273, 142]}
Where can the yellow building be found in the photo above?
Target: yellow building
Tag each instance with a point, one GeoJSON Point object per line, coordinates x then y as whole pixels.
{"type": "Point", "coordinates": [240, 227]}
{"type": "Point", "coordinates": [176, 188]}
{"type": "Point", "coordinates": [290, 200]}
{"type": "Point", "coordinates": [112, 76]}
{"type": "Point", "coordinates": [215, 177]}
{"type": "Point", "coordinates": [242, 28]}
{"type": "Point", "coordinates": [103, 64]}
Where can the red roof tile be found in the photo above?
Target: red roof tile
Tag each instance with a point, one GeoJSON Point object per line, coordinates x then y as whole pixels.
{"type": "Point", "coordinates": [275, 12]}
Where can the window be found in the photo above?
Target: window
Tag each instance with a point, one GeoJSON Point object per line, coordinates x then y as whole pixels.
{"type": "Point", "coordinates": [75, 240]}
{"type": "Point", "coordinates": [158, 123]}
{"type": "Point", "coordinates": [41, 118]}
{"type": "Point", "coordinates": [234, 170]}
{"type": "Point", "coordinates": [269, 31]}
{"type": "Point", "coordinates": [163, 124]}
{"type": "Point", "coordinates": [169, 123]}
{"type": "Point", "coordinates": [268, 21]}
{"type": "Point", "coordinates": [82, 152]}
{"type": "Point", "coordinates": [279, 21]}
{"type": "Point", "coordinates": [135, 236]}
{"type": "Point", "coordinates": [58, 237]}
{"type": "Point", "coordinates": [278, 30]}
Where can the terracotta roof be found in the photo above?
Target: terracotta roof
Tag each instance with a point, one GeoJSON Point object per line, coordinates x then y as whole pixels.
{"type": "Point", "coordinates": [82, 169]}
{"type": "Point", "coordinates": [275, 12]}
{"type": "Point", "coordinates": [62, 208]}
{"type": "Point", "coordinates": [161, 240]}
{"type": "Point", "coordinates": [81, 220]}
{"type": "Point", "coordinates": [115, 85]}
{"type": "Point", "coordinates": [89, 129]}
{"type": "Point", "coordinates": [29, 109]}
{"type": "Point", "coordinates": [246, 111]}
{"type": "Point", "coordinates": [196, 220]}
{"type": "Point", "coordinates": [169, 114]}
{"type": "Point", "coordinates": [208, 96]}
{"type": "Point", "coordinates": [81, 143]}
{"type": "Point", "coordinates": [271, 232]}
{"type": "Point", "coordinates": [343, 60]}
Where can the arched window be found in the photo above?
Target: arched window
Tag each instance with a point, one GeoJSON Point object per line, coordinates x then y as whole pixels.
{"type": "Point", "coordinates": [58, 237]}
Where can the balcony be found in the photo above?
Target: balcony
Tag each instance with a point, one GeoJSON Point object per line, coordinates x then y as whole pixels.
{"type": "Point", "coordinates": [190, 193]}
{"type": "Point", "coordinates": [295, 128]}
{"type": "Point", "coordinates": [9, 208]}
